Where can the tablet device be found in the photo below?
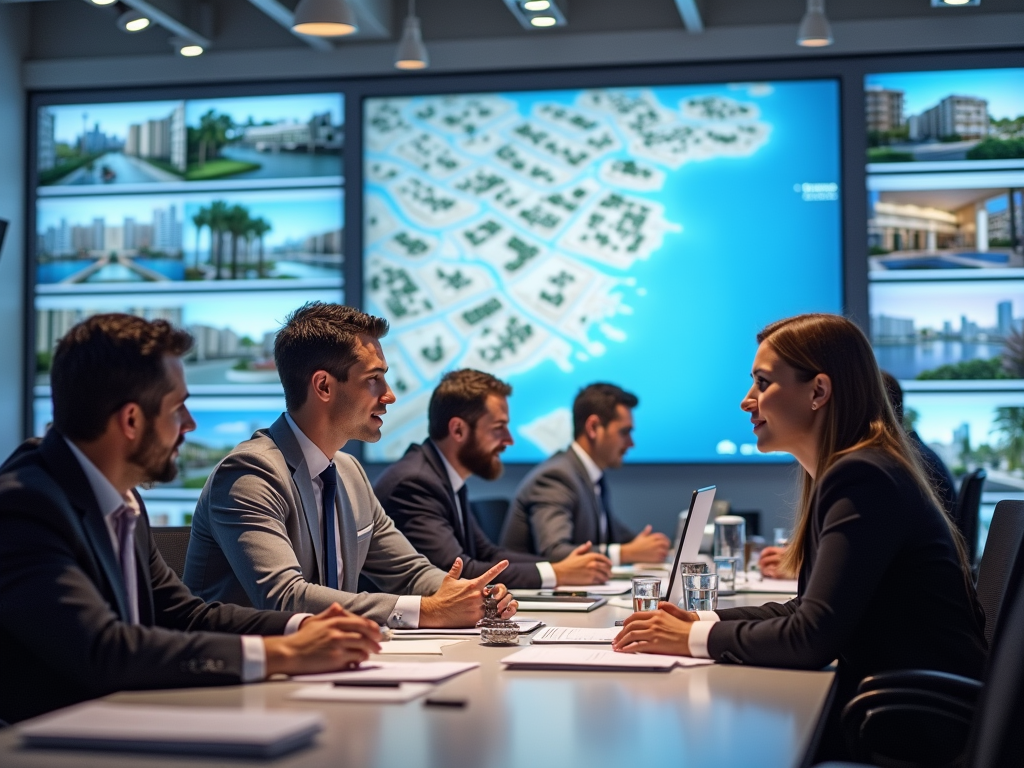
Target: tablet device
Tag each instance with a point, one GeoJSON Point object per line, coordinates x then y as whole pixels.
{"type": "Point", "coordinates": [689, 539]}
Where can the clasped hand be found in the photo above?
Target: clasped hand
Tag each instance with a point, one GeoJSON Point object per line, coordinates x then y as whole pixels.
{"type": "Point", "coordinates": [665, 631]}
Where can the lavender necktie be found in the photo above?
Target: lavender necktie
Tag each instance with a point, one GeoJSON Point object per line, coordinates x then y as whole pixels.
{"type": "Point", "coordinates": [124, 519]}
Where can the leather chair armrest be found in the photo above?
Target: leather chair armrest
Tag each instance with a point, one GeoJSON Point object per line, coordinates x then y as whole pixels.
{"type": "Point", "coordinates": [964, 688]}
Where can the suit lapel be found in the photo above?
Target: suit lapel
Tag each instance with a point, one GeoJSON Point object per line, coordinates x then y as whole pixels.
{"type": "Point", "coordinates": [587, 486]}
{"type": "Point", "coordinates": [147, 611]}
{"type": "Point", "coordinates": [281, 433]}
{"type": "Point", "coordinates": [72, 479]}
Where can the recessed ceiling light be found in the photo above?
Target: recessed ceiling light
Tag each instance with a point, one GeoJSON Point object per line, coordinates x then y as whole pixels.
{"type": "Point", "coordinates": [954, 3]}
{"type": "Point", "coordinates": [543, 21]}
{"type": "Point", "coordinates": [132, 21]}
{"type": "Point", "coordinates": [191, 50]}
{"type": "Point", "coordinates": [103, 2]}
{"type": "Point", "coordinates": [536, 5]}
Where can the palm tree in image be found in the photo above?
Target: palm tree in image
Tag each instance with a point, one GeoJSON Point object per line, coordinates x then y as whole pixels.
{"type": "Point", "coordinates": [218, 219]}
{"type": "Point", "coordinates": [237, 224]}
{"type": "Point", "coordinates": [212, 134]}
{"type": "Point", "coordinates": [260, 227]}
{"type": "Point", "coordinates": [1010, 421]}
{"type": "Point", "coordinates": [201, 219]}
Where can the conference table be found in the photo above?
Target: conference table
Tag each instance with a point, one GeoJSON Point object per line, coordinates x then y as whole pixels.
{"type": "Point", "coordinates": [714, 716]}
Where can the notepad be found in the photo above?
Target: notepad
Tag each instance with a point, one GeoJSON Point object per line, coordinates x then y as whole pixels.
{"type": "Point", "coordinates": [179, 730]}
{"type": "Point", "coordinates": [425, 646]}
{"type": "Point", "coordinates": [395, 671]}
{"type": "Point", "coordinates": [526, 626]}
{"type": "Point", "coordinates": [330, 692]}
{"type": "Point", "coordinates": [576, 635]}
{"type": "Point", "coordinates": [588, 659]}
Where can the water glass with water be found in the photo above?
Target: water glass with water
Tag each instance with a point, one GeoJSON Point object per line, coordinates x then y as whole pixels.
{"type": "Point", "coordinates": [694, 568]}
{"type": "Point", "coordinates": [726, 568]}
{"type": "Point", "coordinates": [646, 592]}
{"type": "Point", "coordinates": [730, 536]}
{"type": "Point", "coordinates": [700, 591]}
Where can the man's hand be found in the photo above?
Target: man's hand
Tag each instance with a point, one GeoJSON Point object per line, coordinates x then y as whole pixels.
{"type": "Point", "coordinates": [665, 631]}
{"type": "Point", "coordinates": [770, 562]}
{"type": "Point", "coordinates": [582, 566]}
{"type": "Point", "coordinates": [460, 602]}
{"type": "Point", "coordinates": [332, 640]}
{"type": "Point", "coordinates": [647, 547]}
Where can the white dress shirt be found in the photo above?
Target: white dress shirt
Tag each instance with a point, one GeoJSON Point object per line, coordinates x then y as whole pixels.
{"type": "Point", "coordinates": [406, 614]}
{"type": "Point", "coordinates": [699, 632]}
{"type": "Point", "coordinates": [548, 579]}
{"type": "Point", "coordinates": [595, 473]}
{"type": "Point", "coordinates": [254, 654]}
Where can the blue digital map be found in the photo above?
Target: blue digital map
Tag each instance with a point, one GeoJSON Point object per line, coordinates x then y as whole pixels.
{"type": "Point", "coordinates": [640, 236]}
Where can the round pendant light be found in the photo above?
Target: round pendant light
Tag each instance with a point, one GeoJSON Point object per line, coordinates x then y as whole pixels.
{"type": "Point", "coordinates": [324, 18]}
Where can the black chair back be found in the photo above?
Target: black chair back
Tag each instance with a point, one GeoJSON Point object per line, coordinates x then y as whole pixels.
{"type": "Point", "coordinates": [173, 545]}
{"type": "Point", "coordinates": [1003, 548]}
{"type": "Point", "coordinates": [968, 503]}
{"type": "Point", "coordinates": [490, 513]}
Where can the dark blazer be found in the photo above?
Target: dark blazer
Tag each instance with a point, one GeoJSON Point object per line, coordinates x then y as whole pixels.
{"type": "Point", "coordinates": [942, 480]}
{"type": "Point", "coordinates": [880, 587]}
{"type": "Point", "coordinates": [555, 510]}
{"type": "Point", "coordinates": [64, 631]}
{"type": "Point", "coordinates": [417, 495]}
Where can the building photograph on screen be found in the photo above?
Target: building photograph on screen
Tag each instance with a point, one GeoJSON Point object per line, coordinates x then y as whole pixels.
{"type": "Point", "coordinates": [160, 239]}
{"type": "Point", "coordinates": [254, 138]}
{"type": "Point", "coordinates": [949, 330]}
{"type": "Point", "coordinates": [557, 238]}
{"type": "Point", "coordinates": [234, 332]}
{"type": "Point", "coordinates": [948, 117]}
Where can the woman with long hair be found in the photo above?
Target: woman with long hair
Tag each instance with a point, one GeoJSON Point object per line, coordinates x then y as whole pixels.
{"type": "Point", "coordinates": [884, 581]}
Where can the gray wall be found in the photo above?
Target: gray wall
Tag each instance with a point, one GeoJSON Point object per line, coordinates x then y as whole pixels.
{"type": "Point", "coordinates": [13, 35]}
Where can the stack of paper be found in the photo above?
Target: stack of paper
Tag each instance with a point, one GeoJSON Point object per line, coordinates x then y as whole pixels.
{"type": "Point", "coordinates": [613, 587]}
{"type": "Point", "coordinates": [576, 635]}
{"type": "Point", "coordinates": [526, 626]}
{"type": "Point", "coordinates": [382, 682]}
{"type": "Point", "coordinates": [193, 730]}
{"type": "Point", "coordinates": [431, 646]}
{"type": "Point", "coordinates": [586, 659]}
{"type": "Point", "coordinates": [774, 586]}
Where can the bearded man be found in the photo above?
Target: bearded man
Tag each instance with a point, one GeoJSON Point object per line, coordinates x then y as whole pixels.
{"type": "Point", "coordinates": [425, 491]}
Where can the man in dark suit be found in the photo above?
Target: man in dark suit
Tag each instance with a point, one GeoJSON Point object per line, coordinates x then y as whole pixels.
{"type": "Point", "coordinates": [564, 501]}
{"type": "Point", "coordinates": [89, 606]}
{"type": "Point", "coordinates": [424, 492]}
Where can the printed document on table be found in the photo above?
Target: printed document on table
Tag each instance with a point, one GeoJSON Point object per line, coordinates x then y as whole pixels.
{"type": "Point", "coordinates": [429, 646]}
{"type": "Point", "coordinates": [330, 692]}
{"type": "Point", "coordinates": [538, 657]}
{"type": "Point", "coordinates": [395, 671]}
{"type": "Point", "coordinates": [525, 627]}
{"type": "Point", "coordinates": [613, 587]}
{"type": "Point", "coordinates": [576, 635]}
{"type": "Point", "coordinates": [773, 586]}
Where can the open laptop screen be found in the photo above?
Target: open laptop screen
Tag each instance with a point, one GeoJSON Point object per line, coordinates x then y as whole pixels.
{"type": "Point", "coordinates": [689, 539]}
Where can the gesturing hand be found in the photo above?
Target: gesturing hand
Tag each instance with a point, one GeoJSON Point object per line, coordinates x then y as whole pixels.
{"type": "Point", "coordinates": [665, 631]}
{"type": "Point", "coordinates": [582, 566]}
{"type": "Point", "coordinates": [332, 640]}
{"type": "Point", "coordinates": [460, 602]}
{"type": "Point", "coordinates": [646, 547]}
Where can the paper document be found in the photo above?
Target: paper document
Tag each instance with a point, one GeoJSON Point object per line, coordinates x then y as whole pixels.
{"type": "Point", "coordinates": [775, 586]}
{"type": "Point", "coordinates": [543, 603]}
{"type": "Point", "coordinates": [395, 671]}
{"type": "Point", "coordinates": [613, 587]}
{"type": "Point", "coordinates": [525, 627]}
{"type": "Point", "coordinates": [190, 730]}
{"type": "Point", "coordinates": [539, 657]}
{"type": "Point", "coordinates": [576, 635]}
{"type": "Point", "coordinates": [427, 646]}
{"type": "Point", "coordinates": [330, 692]}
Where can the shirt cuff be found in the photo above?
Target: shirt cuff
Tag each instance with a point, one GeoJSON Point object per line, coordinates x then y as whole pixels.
{"type": "Point", "coordinates": [699, 632]}
{"type": "Point", "coordinates": [548, 579]}
{"type": "Point", "coordinates": [254, 659]}
{"type": "Point", "coordinates": [615, 554]}
{"type": "Point", "coordinates": [406, 614]}
{"type": "Point", "coordinates": [293, 623]}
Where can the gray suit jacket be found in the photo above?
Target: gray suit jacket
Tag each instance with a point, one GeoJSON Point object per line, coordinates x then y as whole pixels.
{"type": "Point", "coordinates": [256, 536]}
{"type": "Point", "coordinates": [555, 510]}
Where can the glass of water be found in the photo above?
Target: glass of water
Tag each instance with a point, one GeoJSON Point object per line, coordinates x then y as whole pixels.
{"type": "Point", "coordinates": [726, 568]}
{"type": "Point", "coordinates": [646, 592]}
{"type": "Point", "coordinates": [700, 591]}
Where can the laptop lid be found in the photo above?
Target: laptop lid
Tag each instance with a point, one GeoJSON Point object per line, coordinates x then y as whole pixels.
{"type": "Point", "coordinates": [689, 539]}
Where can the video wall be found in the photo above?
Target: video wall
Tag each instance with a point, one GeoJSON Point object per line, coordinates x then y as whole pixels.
{"type": "Point", "coordinates": [945, 166]}
{"type": "Point", "coordinates": [220, 216]}
{"type": "Point", "coordinates": [560, 237]}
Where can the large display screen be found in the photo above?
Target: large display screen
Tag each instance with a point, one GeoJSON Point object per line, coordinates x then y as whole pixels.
{"type": "Point", "coordinates": [219, 215]}
{"type": "Point", "coordinates": [640, 236]}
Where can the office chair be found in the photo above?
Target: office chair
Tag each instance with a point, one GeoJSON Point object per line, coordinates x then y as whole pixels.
{"type": "Point", "coordinates": [490, 514]}
{"type": "Point", "coordinates": [173, 545]}
{"type": "Point", "coordinates": [996, 739]}
{"type": "Point", "coordinates": [965, 515]}
{"type": "Point", "coordinates": [1003, 548]}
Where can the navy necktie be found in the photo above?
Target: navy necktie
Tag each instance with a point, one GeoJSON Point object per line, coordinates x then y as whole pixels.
{"type": "Point", "coordinates": [329, 477]}
{"type": "Point", "coordinates": [604, 532]}
{"type": "Point", "coordinates": [468, 544]}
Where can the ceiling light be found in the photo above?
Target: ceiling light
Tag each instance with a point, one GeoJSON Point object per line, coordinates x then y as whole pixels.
{"type": "Point", "coordinates": [191, 50]}
{"type": "Point", "coordinates": [543, 21]}
{"type": "Point", "coordinates": [103, 2]}
{"type": "Point", "coordinates": [954, 3]}
{"type": "Point", "coordinates": [324, 18]}
{"type": "Point", "coordinates": [536, 5]}
{"type": "Point", "coordinates": [412, 53]}
{"type": "Point", "coordinates": [815, 31]}
{"type": "Point", "coordinates": [132, 21]}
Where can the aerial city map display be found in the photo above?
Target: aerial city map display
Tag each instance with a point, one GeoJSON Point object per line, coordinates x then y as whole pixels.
{"type": "Point", "coordinates": [636, 235]}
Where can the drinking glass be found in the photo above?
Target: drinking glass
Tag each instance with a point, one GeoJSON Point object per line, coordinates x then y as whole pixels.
{"type": "Point", "coordinates": [700, 591]}
{"type": "Point", "coordinates": [646, 592]}
{"type": "Point", "coordinates": [694, 568]}
{"type": "Point", "coordinates": [780, 537]}
{"type": "Point", "coordinates": [726, 568]}
{"type": "Point", "coordinates": [730, 536]}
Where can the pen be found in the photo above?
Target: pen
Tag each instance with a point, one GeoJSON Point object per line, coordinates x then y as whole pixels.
{"type": "Point", "coordinates": [557, 593]}
{"type": "Point", "coordinates": [368, 683]}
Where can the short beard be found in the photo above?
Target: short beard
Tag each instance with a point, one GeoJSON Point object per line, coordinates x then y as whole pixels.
{"type": "Point", "coordinates": [479, 462]}
{"type": "Point", "coordinates": [159, 467]}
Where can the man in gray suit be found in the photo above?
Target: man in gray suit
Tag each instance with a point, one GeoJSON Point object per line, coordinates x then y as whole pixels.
{"type": "Point", "coordinates": [288, 521]}
{"type": "Point", "coordinates": [564, 502]}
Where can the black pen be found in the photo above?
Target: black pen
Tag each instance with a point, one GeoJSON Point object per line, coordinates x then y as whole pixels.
{"type": "Point", "coordinates": [368, 683]}
{"type": "Point", "coordinates": [557, 593]}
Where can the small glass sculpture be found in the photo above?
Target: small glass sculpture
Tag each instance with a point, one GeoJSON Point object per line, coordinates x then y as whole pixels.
{"type": "Point", "coordinates": [495, 630]}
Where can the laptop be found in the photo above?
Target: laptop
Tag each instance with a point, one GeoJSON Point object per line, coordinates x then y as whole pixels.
{"type": "Point", "coordinates": [689, 539]}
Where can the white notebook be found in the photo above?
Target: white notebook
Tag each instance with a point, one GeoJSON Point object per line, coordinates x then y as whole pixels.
{"type": "Point", "coordinates": [584, 659]}
{"type": "Point", "coordinates": [553, 635]}
{"type": "Point", "coordinates": [181, 730]}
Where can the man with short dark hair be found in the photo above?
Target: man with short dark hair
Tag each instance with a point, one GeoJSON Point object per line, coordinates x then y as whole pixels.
{"type": "Point", "coordinates": [424, 492]}
{"type": "Point", "coordinates": [288, 521]}
{"type": "Point", "coordinates": [564, 501]}
{"type": "Point", "coordinates": [89, 606]}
